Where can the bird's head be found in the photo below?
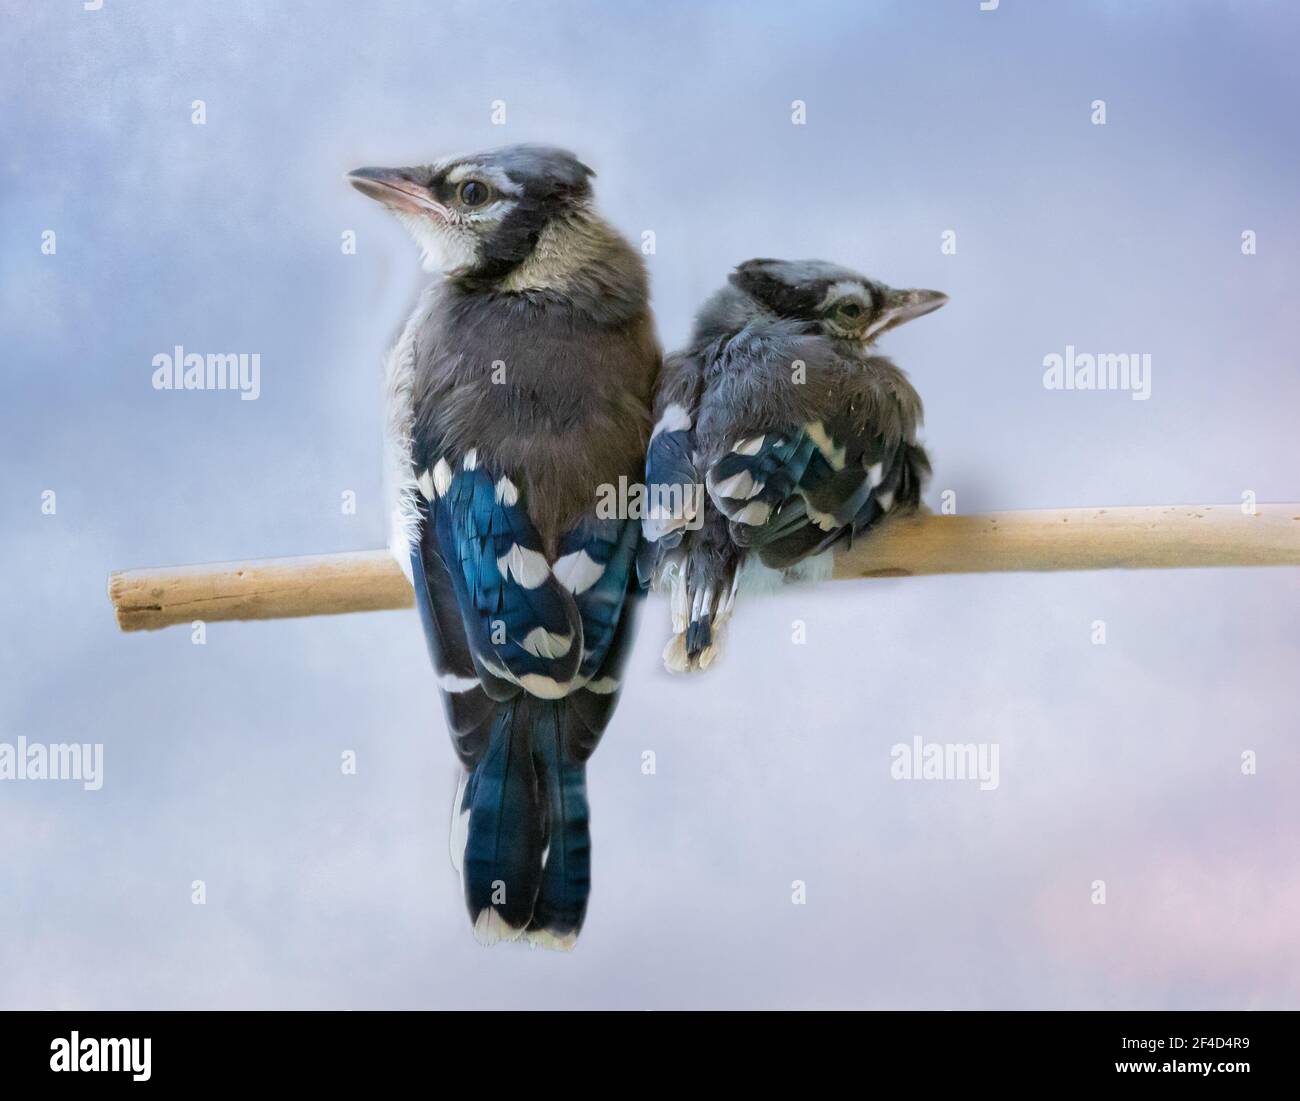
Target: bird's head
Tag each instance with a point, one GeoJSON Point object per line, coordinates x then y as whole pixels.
{"type": "Point", "coordinates": [838, 302]}
{"type": "Point", "coordinates": [481, 216]}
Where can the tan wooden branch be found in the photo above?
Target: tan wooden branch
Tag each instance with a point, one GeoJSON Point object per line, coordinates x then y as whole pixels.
{"type": "Point", "coordinates": [1156, 537]}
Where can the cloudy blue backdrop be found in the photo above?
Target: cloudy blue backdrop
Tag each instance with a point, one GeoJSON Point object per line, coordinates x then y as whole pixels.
{"type": "Point", "coordinates": [1118, 762]}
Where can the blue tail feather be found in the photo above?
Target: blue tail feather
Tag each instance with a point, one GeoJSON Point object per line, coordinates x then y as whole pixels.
{"type": "Point", "coordinates": [566, 877]}
{"type": "Point", "coordinates": [527, 863]}
{"type": "Point", "coordinates": [503, 848]}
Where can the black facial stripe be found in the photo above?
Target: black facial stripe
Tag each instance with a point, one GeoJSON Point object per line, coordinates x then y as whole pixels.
{"type": "Point", "coordinates": [785, 299]}
{"type": "Point", "coordinates": [511, 242]}
{"type": "Point", "coordinates": [443, 189]}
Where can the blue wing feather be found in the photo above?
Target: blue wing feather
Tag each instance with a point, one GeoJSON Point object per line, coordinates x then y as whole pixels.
{"type": "Point", "coordinates": [520, 622]}
{"type": "Point", "coordinates": [787, 500]}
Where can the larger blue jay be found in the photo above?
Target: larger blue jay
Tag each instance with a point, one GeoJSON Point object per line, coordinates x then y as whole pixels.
{"type": "Point", "coordinates": [803, 437]}
{"type": "Point", "coordinates": [521, 385]}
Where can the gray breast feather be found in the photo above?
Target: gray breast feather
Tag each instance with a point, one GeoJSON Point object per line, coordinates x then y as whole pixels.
{"type": "Point", "coordinates": [543, 392]}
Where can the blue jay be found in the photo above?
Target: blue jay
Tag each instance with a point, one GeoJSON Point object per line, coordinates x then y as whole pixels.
{"type": "Point", "coordinates": [801, 435]}
{"type": "Point", "coordinates": [521, 385]}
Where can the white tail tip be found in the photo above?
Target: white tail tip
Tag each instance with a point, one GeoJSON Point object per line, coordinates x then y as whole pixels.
{"type": "Point", "coordinates": [490, 928]}
{"type": "Point", "coordinates": [555, 942]}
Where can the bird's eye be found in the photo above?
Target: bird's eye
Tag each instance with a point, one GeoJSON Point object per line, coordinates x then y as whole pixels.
{"type": "Point", "coordinates": [474, 193]}
{"type": "Point", "coordinates": [851, 310]}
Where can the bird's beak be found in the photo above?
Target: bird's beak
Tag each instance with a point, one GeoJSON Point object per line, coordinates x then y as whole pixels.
{"type": "Point", "coordinates": [398, 189]}
{"type": "Point", "coordinates": [905, 305]}
{"type": "Point", "coordinates": [901, 306]}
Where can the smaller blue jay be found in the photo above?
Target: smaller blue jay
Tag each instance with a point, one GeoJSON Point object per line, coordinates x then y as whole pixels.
{"type": "Point", "coordinates": [803, 437]}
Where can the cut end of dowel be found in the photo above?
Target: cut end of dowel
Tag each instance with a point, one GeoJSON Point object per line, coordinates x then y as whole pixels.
{"type": "Point", "coordinates": [131, 606]}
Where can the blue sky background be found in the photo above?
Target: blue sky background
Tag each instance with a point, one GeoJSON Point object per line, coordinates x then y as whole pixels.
{"type": "Point", "coordinates": [1118, 762]}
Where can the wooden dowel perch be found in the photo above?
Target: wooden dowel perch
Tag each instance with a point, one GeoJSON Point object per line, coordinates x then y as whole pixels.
{"type": "Point", "coordinates": [1157, 537]}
